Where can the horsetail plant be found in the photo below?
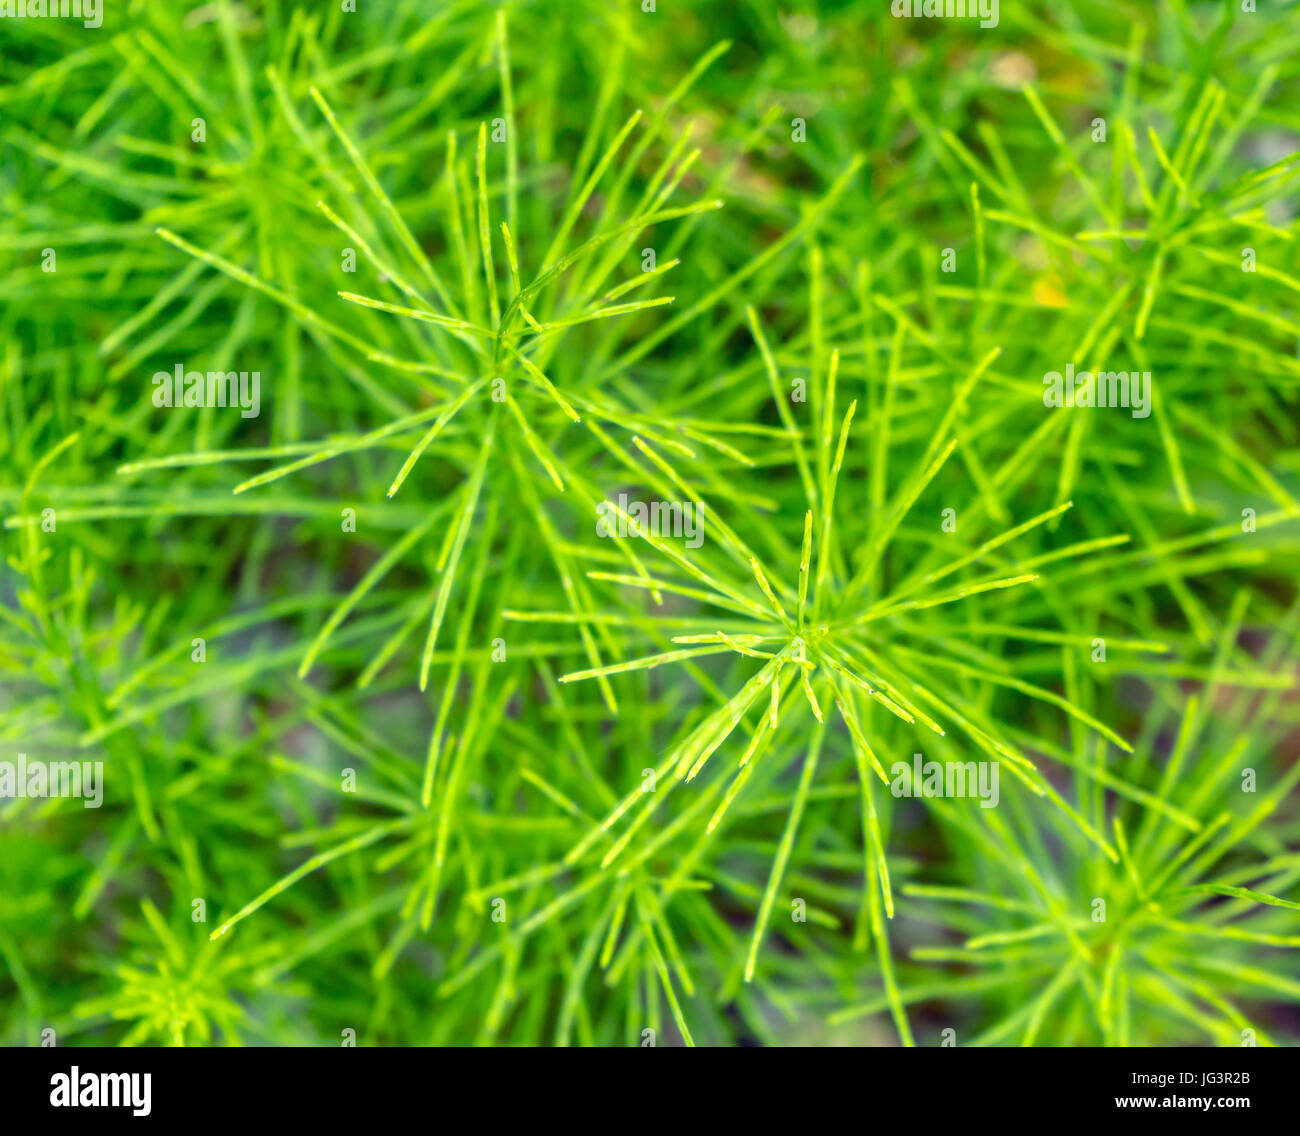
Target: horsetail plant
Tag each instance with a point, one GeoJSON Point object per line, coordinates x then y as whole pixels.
{"type": "Point", "coordinates": [770, 531]}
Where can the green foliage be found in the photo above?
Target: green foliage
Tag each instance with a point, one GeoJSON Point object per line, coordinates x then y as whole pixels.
{"type": "Point", "coordinates": [407, 730]}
